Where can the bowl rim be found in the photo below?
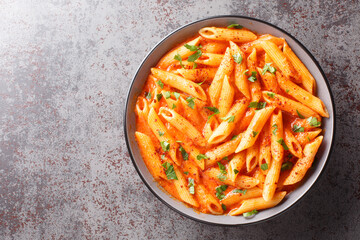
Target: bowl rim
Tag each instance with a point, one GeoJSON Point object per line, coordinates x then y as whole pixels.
{"type": "Point", "coordinates": [303, 48]}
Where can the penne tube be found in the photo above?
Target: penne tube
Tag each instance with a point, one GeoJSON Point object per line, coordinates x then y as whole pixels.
{"type": "Point", "coordinates": [265, 148]}
{"type": "Point", "coordinates": [307, 79]}
{"type": "Point", "coordinates": [206, 199]}
{"type": "Point", "coordinates": [142, 107]}
{"type": "Point", "coordinates": [241, 80]}
{"type": "Point", "coordinates": [208, 59]}
{"type": "Point", "coordinates": [210, 127]}
{"type": "Point", "coordinates": [180, 83]}
{"type": "Point", "coordinates": [150, 156]}
{"type": "Point", "coordinates": [193, 153]}
{"type": "Point", "coordinates": [233, 198]}
{"type": "Point", "coordinates": [306, 137]}
{"type": "Point", "coordinates": [241, 181]}
{"type": "Point", "coordinates": [181, 186]}
{"type": "Point", "coordinates": [252, 156]}
{"type": "Point", "coordinates": [182, 125]}
{"type": "Point", "coordinates": [226, 97]}
{"type": "Point", "coordinates": [269, 81]}
{"type": "Point", "coordinates": [191, 114]}
{"type": "Point", "coordinates": [302, 95]}
{"type": "Point", "coordinates": [162, 134]}
{"type": "Point", "coordinates": [259, 176]}
{"type": "Point", "coordinates": [192, 169]}
{"type": "Point", "coordinates": [225, 68]}
{"type": "Point", "coordinates": [280, 60]}
{"type": "Point", "coordinates": [257, 204]}
{"type": "Point", "coordinates": [198, 75]}
{"type": "Point", "coordinates": [277, 136]}
{"type": "Point", "coordinates": [255, 127]}
{"type": "Point", "coordinates": [214, 47]}
{"type": "Point", "coordinates": [171, 101]}
{"type": "Point", "coordinates": [289, 105]}
{"type": "Point", "coordinates": [293, 144]}
{"type": "Point", "coordinates": [255, 87]}
{"type": "Point", "coordinates": [235, 165]}
{"type": "Point", "coordinates": [271, 180]}
{"type": "Point", "coordinates": [227, 126]}
{"type": "Point", "coordinates": [168, 59]}
{"type": "Point", "coordinates": [235, 35]}
{"type": "Point", "coordinates": [303, 164]}
{"type": "Point", "coordinates": [219, 152]}
{"type": "Point", "coordinates": [154, 103]}
{"type": "Point", "coordinates": [249, 47]}
{"type": "Point", "coordinates": [245, 122]}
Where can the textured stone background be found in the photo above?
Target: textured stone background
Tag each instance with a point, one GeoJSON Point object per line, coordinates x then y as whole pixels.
{"type": "Point", "coordinates": [65, 67]}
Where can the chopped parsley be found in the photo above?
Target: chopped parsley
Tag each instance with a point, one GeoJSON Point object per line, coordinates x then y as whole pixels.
{"type": "Point", "coordinates": [257, 105]}
{"type": "Point", "coordinates": [173, 106]}
{"type": "Point", "coordinates": [214, 110]}
{"type": "Point", "coordinates": [229, 119]}
{"type": "Point", "coordinates": [163, 156]}
{"type": "Point", "coordinates": [275, 126]}
{"type": "Point", "coordinates": [313, 122]}
{"type": "Point", "coordinates": [237, 58]}
{"type": "Point", "coordinates": [226, 158]}
{"type": "Point", "coordinates": [283, 144]}
{"type": "Point", "coordinates": [245, 72]}
{"type": "Point", "coordinates": [234, 137]}
{"type": "Point", "coordinates": [201, 83]}
{"type": "Point", "coordinates": [159, 96]}
{"type": "Point", "coordinates": [160, 83]}
{"type": "Point", "coordinates": [249, 214]}
{"type": "Point", "coordinates": [223, 207]}
{"type": "Point", "coordinates": [148, 95]}
{"type": "Point", "coordinates": [252, 78]}
{"type": "Point", "coordinates": [268, 68]}
{"type": "Point", "coordinates": [184, 154]}
{"type": "Point", "coordinates": [178, 58]}
{"type": "Point", "coordinates": [177, 95]}
{"type": "Point", "coordinates": [165, 146]}
{"type": "Point", "coordinates": [235, 25]}
{"type": "Point", "coordinates": [191, 186]}
{"type": "Point", "coordinates": [222, 175]}
{"type": "Point", "coordinates": [201, 156]}
{"type": "Point", "coordinates": [190, 101]}
{"type": "Point", "coordinates": [160, 133]}
{"type": "Point", "coordinates": [255, 133]}
{"type": "Point", "coordinates": [286, 166]}
{"type": "Point", "coordinates": [264, 166]}
{"type": "Point", "coordinates": [297, 128]}
{"type": "Point", "coordinates": [169, 171]}
{"type": "Point", "coordinates": [236, 171]}
{"type": "Point", "coordinates": [270, 94]}
{"type": "Point", "coordinates": [196, 55]}
{"type": "Point", "coordinates": [299, 114]}
{"type": "Point", "coordinates": [287, 90]}
{"type": "Point", "coordinates": [186, 173]}
{"type": "Point", "coordinates": [243, 192]}
{"type": "Point", "coordinates": [219, 191]}
{"type": "Point", "coordinates": [167, 94]}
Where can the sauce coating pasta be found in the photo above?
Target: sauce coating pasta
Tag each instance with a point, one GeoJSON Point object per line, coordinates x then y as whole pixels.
{"type": "Point", "coordinates": [228, 121]}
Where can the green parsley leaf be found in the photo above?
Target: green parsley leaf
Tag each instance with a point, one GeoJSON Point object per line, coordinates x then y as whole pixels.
{"type": "Point", "coordinates": [255, 133]}
{"type": "Point", "coordinates": [234, 137]}
{"type": "Point", "coordinates": [194, 56]}
{"type": "Point", "coordinates": [201, 83]}
{"type": "Point", "coordinates": [184, 154]}
{"type": "Point", "coordinates": [167, 94]}
{"type": "Point", "coordinates": [297, 128]}
{"type": "Point", "coordinates": [226, 158]}
{"type": "Point", "coordinates": [192, 48]}
{"type": "Point", "coordinates": [222, 177]}
{"type": "Point", "coordinates": [214, 110]}
{"type": "Point", "coordinates": [177, 95]}
{"type": "Point", "coordinates": [190, 101]}
{"type": "Point", "coordinates": [165, 146]}
{"type": "Point", "coordinates": [163, 156]}
{"type": "Point", "coordinates": [289, 156]}
{"type": "Point", "coordinates": [148, 95]}
{"type": "Point", "coordinates": [186, 173]}
{"type": "Point", "coordinates": [246, 72]}
{"type": "Point", "coordinates": [237, 58]}
{"type": "Point", "coordinates": [243, 192]}
{"type": "Point", "coordinates": [159, 96]}
{"type": "Point", "coordinates": [275, 126]}
{"type": "Point", "coordinates": [286, 166]}
{"type": "Point", "coordinates": [179, 141]}
{"type": "Point", "coordinates": [191, 186]}
{"type": "Point", "coordinates": [287, 90]}
{"type": "Point", "coordinates": [264, 166]}
{"type": "Point", "coordinates": [308, 139]}
{"type": "Point", "coordinates": [270, 94]}
{"type": "Point", "coordinates": [229, 119]}
{"type": "Point", "coordinates": [283, 144]}
{"type": "Point", "coordinates": [222, 168]}
{"type": "Point", "coordinates": [252, 78]}
{"type": "Point", "coordinates": [173, 106]}
{"type": "Point", "coordinates": [223, 207]}
{"type": "Point", "coordinates": [178, 58]}
{"type": "Point", "coordinates": [300, 116]}
{"type": "Point", "coordinates": [249, 214]}
{"type": "Point", "coordinates": [257, 105]}
{"type": "Point", "coordinates": [169, 171]}
{"type": "Point", "coordinates": [201, 156]}
{"type": "Point", "coordinates": [160, 133]}
{"type": "Point", "coordinates": [269, 68]}
{"type": "Point", "coordinates": [160, 83]}
{"type": "Point", "coordinates": [236, 171]}
{"type": "Point", "coordinates": [219, 191]}
{"type": "Point", "coordinates": [313, 122]}
{"type": "Point", "coordinates": [235, 25]}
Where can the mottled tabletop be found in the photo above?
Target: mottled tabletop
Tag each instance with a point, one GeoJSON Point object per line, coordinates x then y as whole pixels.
{"type": "Point", "coordinates": [65, 68]}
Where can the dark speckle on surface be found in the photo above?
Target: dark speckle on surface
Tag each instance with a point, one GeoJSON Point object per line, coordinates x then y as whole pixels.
{"type": "Point", "coordinates": [65, 67]}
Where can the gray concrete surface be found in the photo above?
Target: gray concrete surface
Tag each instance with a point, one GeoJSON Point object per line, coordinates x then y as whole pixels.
{"type": "Point", "coordinates": [65, 67]}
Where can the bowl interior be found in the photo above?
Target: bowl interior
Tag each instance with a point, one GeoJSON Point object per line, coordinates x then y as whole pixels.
{"type": "Point", "coordinates": [179, 36]}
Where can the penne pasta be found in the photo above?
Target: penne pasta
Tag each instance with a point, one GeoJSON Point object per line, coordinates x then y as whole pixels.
{"type": "Point", "coordinates": [233, 198]}
{"type": "Point", "coordinates": [269, 81]}
{"type": "Point", "coordinates": [271, 180]}
{"type": "Point", "coordinates": [198, 75]}
{"type": "Point", "coordinates": [306, 137]}
{"type": "Point", "coordinates": [226, 97]}
{"type": "Point", "coordinates": [249, 47]}
{"type": "Point", "coordinates": [207, 200]}
{"type": "Point", "coordinates": [210, 127]}
{"type": "Point", "coordinates": [252, 157]}
{"type": "Point", "coordinates": [235, 35]}
{"type": "Point", "coordinates": [293, 144]}
{"type": "Point", "coordinates": [265, 149]}
{"type": "Point", "coordinates": [142, 108]}
{"type": "Point", "coordinates": [255, 87]}
{"type": "Point", "coordinates": [235, 165]}
{"type": "Point", "coordinates": [182, 189]}
{"type": "Point", "coordinates": [277, 137]}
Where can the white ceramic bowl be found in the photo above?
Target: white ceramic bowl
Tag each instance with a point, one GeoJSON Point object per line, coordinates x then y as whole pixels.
{"type": "Point", "coordinates": [180, 35]}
